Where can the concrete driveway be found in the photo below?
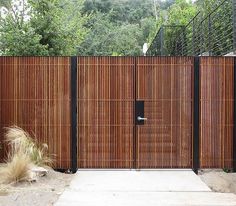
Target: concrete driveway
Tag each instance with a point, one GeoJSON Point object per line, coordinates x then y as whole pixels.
{"type": "Point", "coordinates": [140, 188]}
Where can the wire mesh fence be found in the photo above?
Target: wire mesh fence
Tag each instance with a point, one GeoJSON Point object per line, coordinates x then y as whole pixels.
{"type": "Point", "coordinates": [213, 34]}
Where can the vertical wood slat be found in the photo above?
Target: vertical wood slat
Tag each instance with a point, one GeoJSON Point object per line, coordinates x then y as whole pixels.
{"type": "Point", "coordinates": [34, 95]}
{"type": "Point", "coordinates": [216, 107]}
{"type": "Point", "coordinates": [165, 86]}
{"type": "Point", "coordinates": [105, 112]}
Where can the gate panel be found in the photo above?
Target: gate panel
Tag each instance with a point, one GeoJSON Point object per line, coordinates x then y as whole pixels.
{"type": "Point", "coordinates": [165, 84]}
{"type": "Point", "coordinates": [216, 117]}
{"type": "Point", "coordinates": [105, 112]}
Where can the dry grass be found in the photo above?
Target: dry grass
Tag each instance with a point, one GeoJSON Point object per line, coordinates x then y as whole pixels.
{"type": "Point", "coordinates": [24, 152]}
{"type": "Point", "coordinates": [3, 191]}
{"type": "Point", "coordinates": [16, 170]}
{"type": "Point", "coordinates": [21, 142]}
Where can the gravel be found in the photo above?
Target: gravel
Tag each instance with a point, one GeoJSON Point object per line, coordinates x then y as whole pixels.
{"type": "Point", "coordinates": [44, 192]}
{"type": "Point", "coordinates": [219, 181]}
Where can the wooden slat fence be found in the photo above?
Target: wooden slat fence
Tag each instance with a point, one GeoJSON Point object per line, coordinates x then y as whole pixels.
{"type": "Point", "coordinates": [165, 86]}
{"type": "Point", "coordinates": [105, 112]}
{"type": "Point", "coordinates": [35, 94]}
{"type": "Point", "coordinates": [217, 112]}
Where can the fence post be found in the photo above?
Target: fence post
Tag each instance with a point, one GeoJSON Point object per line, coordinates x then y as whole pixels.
{"type": "Point", "coordinates": [234, 129]}
{"type": "Point", "coordinates": [209, 35]}
{"type": "Point", "coordinates": [162, 40]}
{"type": "Point", "coordinates": [234, 25]}
{"type": "Point", "coordinates": [193, 38]}
{"type": "Point", "coordinates": [74, 114]}
{"type": "Point", "coordinates": [184, 40]}
{"type": "Point", "coordinates": [196, 115]}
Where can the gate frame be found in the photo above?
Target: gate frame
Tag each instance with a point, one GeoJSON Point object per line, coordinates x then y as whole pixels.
{"type": "Point", "coordinates": [196, 112]}
{"type": "Point", "coordinates": [74, 134]}
{"type": "Point", "coordinates": [234, 119]}
{"type": "Point", "coordinates": [196, 115]}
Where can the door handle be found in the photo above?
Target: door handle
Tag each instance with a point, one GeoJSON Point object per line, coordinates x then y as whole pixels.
{"type": "Point", "coordinates": [139, 113]}
{"type": "Point", "coordinates": [141, 118]}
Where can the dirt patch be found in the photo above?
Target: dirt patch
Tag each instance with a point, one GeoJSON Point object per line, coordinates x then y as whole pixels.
{"type": "Point", "coordinates": [219, 181]}
{"type": "Point", "coordinates": [44, 192]}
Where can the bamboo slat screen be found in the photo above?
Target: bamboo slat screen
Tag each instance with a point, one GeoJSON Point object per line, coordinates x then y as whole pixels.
{"type": "Point", "coordinates": [105, 112]}
{"type": "Point", "coordinates": [165, 86]}
{"type": "Point", "coordinates": [216, 106]}
{"type": "Point", "coordinates": [35, 95]}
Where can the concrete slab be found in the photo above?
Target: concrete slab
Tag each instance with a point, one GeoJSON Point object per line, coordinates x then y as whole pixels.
{"type": "Point", "coordinates": [75, 198]}
{"type": "Point", "coordinates": [141, 188]}
{"type": "Point", "coordinates": [159, 180]}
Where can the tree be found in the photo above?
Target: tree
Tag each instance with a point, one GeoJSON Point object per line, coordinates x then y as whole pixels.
{"type": "Point", "coordinates": [18, 38]}
{"type": "Point", "coordinates": [49, 26]}
{"type": "Point", "coordinates": [206, 6]}
{"type": "Point", "coordinates": [95, 41]}
{"type": "Point", "coordinates": [88, 27]}
{"type": "Point", "coordinates": [5, 3]}
{"type": "Point", "coordinates": [117, 27]}
{"type": "Point", "coordinates": [126, 40]}
{"type": "Point", "coordinates": [181, 13]}
{"type": "Point", "coordinates": [59, 24]}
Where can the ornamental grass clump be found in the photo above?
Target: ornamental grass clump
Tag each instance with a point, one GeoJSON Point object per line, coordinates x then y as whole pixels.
{"type": "Point", "coordinates": [20, 142]}
{"type": "Point", "coordinates": [3, 190]}
{"type": "Point", "coordinates": [24, 153]}
{"type": "Point", "coordinates": [16, 170]}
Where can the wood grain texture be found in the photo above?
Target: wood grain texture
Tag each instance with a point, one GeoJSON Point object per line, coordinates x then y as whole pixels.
{"type": "Point", "coordinates": [105, 112]}
{"type": "Point", "coordinates": [216, 118]}
{"type": "Point", "coordinates": [35, 95]}
{"type": "Point", "coordinates": [165, 84]}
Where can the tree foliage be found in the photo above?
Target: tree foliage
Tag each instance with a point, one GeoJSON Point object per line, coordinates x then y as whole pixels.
{"type": "Point", "coordinates": [118, 27]}
{"type": "Point", "coordinates": [181, 12]}
{"type": "Point", "coordinates": [89, 27]}
{"type": "Point", "coordinates": [42, 27]}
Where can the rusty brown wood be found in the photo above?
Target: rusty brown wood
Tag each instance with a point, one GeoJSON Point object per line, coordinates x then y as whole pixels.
{"type": "Point", "coordinates": [35, 96]}
{"type": "Point", "coordinates": [105, 112]}
{"type": "Point", "coordinates": [165, 86]}
{"type": "Point", "coordinates": [216, 117]}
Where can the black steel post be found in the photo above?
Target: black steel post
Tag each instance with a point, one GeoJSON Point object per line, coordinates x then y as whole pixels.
{"type": "Point", "coordinates": [182, 41]}
{"type": "Point", "coordinates": [234, 130]}
{"type": "Point", "coordinates": [201, 43]}
{"type": "Point", "coordinates": [135, 164]}
{"type": "Point", "coordinates": [209, 35]}
{"type": "Point", "coordinates": [162, 40]}
{"type": "Point", "coordinates": [176, 48]}
{"type": "Point", "coordinates": [193, 38]}
{"type": "Point", "coordinates": [185, 52]}
{"type": "Point", "coordinates": [74, 114]}
{"type": "Point", "coordinates": [196, 115]}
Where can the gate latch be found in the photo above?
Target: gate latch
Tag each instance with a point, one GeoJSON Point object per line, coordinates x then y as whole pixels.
{"type": "Point", "coordinates": [139, 113]}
